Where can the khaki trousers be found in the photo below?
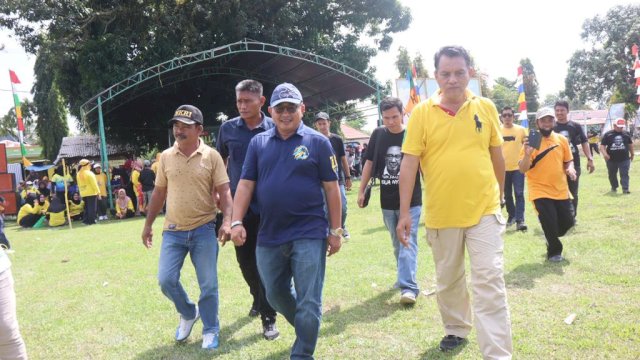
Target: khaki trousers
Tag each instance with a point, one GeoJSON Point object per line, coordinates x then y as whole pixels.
{"type": "Point", "coordinates": [11, 344]}
{"type": "Point", "coordinates": [485, 247]}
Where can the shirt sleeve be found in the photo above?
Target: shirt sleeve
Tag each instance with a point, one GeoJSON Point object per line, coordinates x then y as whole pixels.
{"type": "Point", "coordinates": [221, 146]}
{"type": "Point", "coordinates": [219, 171]}
{"type": "Point", "coordinates": [371, 148]}
{"type": "Point", "coordinates": [161, 176]}
{"type": "Point", "coordinates": [496, 134]}
{"type": "Point", "coordinates": [581, 135]}
{"type": "Point", "coordinates": [250, 166]}
{"type": "Point", "coordinates": [566, 151]}
{"type": "Point", "coordinates": [415, 141]}
{"type": "Point", "coordinates": [340, 149]}
{"type": "Point", "coordinates": [328, 165]}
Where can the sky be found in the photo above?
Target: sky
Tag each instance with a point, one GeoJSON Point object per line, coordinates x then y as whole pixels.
{"type": "Point", "coordinates": [498, 33]}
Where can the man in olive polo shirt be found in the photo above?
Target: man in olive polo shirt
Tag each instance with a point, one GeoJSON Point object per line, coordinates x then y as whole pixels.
{"type": "Point", "coordinates": [189, 176]}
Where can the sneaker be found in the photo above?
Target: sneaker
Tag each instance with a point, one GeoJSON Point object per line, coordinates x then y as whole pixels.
{"type": "Point", "coordinates": [556, 258]}
{"type": "Point", "coordinates": [346, 235]}
{"type": "Point", "coordinates": [210, 341]}
{"type": "Point", "coordinates": [521, 226]}
{"type": "Point", "coordinates": [270, 331]}
{"type": "Point", "coordinates": [253, 312]}
{"type": "Point", "coordinates": [408, 298]}
{"type": "Point", "coordinates": [450, 342]}
{"type": "Point", "coordinates": [626, 192]}
{"type": "Point", "coordinates": [510, 222]}
{"type": "Point", "coordinates": [185, 326]}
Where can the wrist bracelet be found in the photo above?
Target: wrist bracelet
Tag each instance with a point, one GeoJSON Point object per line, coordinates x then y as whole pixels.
{"type": "Point", "coordinates": [236, 223]}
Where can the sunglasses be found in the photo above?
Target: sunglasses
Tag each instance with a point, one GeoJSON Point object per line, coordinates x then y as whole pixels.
{"type": "Point", "coordinates": [290, 109]}
{"type": "Point", "coordinates": [507, 115]}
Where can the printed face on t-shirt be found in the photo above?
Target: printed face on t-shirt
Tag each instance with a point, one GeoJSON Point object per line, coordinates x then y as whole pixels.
{"type": "Point", "coordinates": [392, 160]}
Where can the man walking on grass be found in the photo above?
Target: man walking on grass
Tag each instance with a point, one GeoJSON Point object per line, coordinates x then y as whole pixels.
{"type": "Point", "coordinates": [617, 149]}
{"type": "Point", "coordinates": [547, 170]}
{"type": "Point", "coordinates": [190, 177]}
{"type": "Point", "coordinates": [513, 136]}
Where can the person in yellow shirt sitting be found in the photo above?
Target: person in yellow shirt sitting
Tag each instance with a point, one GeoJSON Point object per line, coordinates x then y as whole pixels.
{"type": "Point", "coordinates": [76, 207]}
{"type": "Point", "coordinates": [56, 212]}
{"type": "Point", "coordinates": [28, 189]}
{"type": "Point", "coordinates": [124, 205]}
{"type": "Point", "coordinates": [30, 212]}
{"type": "Point", "coordinates": [43, 200]}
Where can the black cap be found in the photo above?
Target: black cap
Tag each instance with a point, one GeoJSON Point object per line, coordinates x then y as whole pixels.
{"type": "Point", "coordinates": [187, 114]}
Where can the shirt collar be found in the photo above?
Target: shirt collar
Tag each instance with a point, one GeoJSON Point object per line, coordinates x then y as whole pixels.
{"type": "Point", "coordinates": [435, 99]}
{"type": "Point", "coordinates": [200, 150]}
{"type": "Point", "coordinates": [302, 129]}
{"type": "Point", "coordinates": [241, 123]}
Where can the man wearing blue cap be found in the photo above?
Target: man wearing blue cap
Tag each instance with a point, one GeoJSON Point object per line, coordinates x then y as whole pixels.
{"type": "Point", "coordinates": [288, 167]}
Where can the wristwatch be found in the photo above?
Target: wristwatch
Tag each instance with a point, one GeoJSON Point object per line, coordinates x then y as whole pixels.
{"type": "Point", "coordinates": [337, 232]}
{"type": "Point", "coordinates": [236, 223]}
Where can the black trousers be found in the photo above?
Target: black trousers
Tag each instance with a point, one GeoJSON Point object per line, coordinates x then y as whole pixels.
{"type": "Point", "coordinates": [29, 220]}
{"type": "Point", "coordinates": [556, 218]}
{"type": "Point", "coordinates": [103, 206]}
{"type": "Point", "coordinates": [246, 256]}
{"type": "Point", "coordinates": [90, 208]}
{"type": "Point", "coordinates": [573, 189]}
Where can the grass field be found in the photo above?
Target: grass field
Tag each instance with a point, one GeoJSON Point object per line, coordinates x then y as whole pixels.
{"type": "Point", "coordinates": [91, 292]}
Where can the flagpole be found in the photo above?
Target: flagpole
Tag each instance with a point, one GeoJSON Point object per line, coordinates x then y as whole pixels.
{"type": "Point", "coordinates": [18, 109]}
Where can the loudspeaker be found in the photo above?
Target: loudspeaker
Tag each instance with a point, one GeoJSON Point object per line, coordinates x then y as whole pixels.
{"type": "Point", "coordinates": [3, 158]}
{"type": "Point", "coordinates": [7, 182]}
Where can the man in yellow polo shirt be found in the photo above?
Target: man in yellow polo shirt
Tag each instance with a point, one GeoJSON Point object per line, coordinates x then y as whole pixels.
{"type": "Point", "coordinates": [455, 138]}
{"type": "Point", "coordinates": [547, 170]}
{"type": "Point", "coordinates": [513, 136]}
{"type": "Point", "coordinates": [189, 176]}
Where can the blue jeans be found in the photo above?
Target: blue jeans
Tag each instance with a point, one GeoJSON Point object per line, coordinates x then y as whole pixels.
{"type": "Point", "coordinates": [300, 300]}
{"type": "Point", "coordinates": [202, 246]}
{"type": "Point", "coordinates": [514, 180]}
{"type": "Point", "coordinates": [343, 199]}
{"type": "Point", "coordinates": [623, 166]}
{"type": "Point", "coordinates": [406, 257]}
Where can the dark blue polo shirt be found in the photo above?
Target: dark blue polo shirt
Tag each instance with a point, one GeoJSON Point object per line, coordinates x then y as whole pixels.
{"type": "Point", "coordinates": [232, 144]}
{"type": "Point", "coordinates": [289, 175]}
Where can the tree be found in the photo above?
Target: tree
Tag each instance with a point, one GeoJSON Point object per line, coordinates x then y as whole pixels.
{"type": "Point", "coordinates": [530, 85]}
{"type": "Point", "coordinates": [551, 99]}
{"type": "Point", "coordinates": [9, 122]}
{"type": "Point", "coordinates": [403, 62]}
{"type": "Point", "coordinates": [504, 93]}
{"type": "Point", "coordinates": [93, 44]}
{"type": "Point", "coordinates": [603, 72]}
{"type": "Point", "coordinates": [421, 70]}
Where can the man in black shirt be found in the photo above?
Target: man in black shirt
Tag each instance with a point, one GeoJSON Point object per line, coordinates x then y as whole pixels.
{"type": "Point", "coordinates": [617, 149]}
{"type": "Point", "coordinates": [323, 125]}
{"type": "Point", "coordinates": [382, 160]}
{"type": "Point", "coordinates": [147, 179]}
{"type": "Point", "coordinates": [577, 138]}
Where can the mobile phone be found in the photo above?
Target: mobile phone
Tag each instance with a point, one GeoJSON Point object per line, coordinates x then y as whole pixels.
{"type": "Point", "coordinates": [534, 139]}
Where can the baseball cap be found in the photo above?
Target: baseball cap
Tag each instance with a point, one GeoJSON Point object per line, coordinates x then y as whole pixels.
{"type": "Point", "coordinates": [84, 162]}
{"type": "Point", "coordinates": [97, 165]}
{"type": "Point", "coordinates": [285, 92]}
{"type": "Point", "coordinates": [621, 123]}
{"type": "Point", "coordinates": [187, 114]}
{"type": "Point", "coordinates": [545, 112]}
{"type": "Point", "coordinates": [322, 116]}
{"type": "Point", "coordinates": [147, 163]}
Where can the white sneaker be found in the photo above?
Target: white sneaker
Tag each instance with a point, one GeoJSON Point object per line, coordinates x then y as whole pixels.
{"type": "Point", "coordinates": [408, 298]}
{"type": "Point", "coordinates": [210, 341]}
{"type": "Point", "coordinates": [185, 326]}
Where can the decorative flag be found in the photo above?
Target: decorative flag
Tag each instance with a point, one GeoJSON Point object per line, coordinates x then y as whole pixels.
{"type": "Point", "coordinates": [414, 91]}
{"type": "Point", "coordinates": [522, 101]}
{"type": "Point", "coordinates": [636, 69]}
{"type": "Point", "coordinates": [16, 102]}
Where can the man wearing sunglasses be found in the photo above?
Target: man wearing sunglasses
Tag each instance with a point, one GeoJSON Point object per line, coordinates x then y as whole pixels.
{"type": "Point", "coordinates": [287, 168]}
{"type": "Point", "coordinates": [513, 136]}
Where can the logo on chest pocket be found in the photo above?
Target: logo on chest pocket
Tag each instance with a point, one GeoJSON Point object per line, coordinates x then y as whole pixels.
{"type": "Point", "coordinates": [301, 153]}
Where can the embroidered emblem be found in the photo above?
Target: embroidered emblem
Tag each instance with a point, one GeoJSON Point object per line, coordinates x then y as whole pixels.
{"type": "Point", "coordinates": [301, 153]}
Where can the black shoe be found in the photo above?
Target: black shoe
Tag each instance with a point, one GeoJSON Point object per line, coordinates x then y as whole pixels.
{"type": "Point", "coordinates": [253, 312]}
{"type": "Point", "coordinates": [510, 222]}
{"type": "Point", "coordinates": [451, 342]}
{"type": "Point", "coordinates": [521, 226]}
{"type": "Point", "coordinates": [626, 192]}
{"type": "Point", "coordinates": [270, 331]}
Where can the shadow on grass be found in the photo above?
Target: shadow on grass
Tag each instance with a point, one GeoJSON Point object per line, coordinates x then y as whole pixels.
{"type": "Point", "coordinates": [368, 311]}
{"type": "Point", "coordinates": [524, 276]}
{"type": "Point", "coordinates": [369, 231]}
{"type": "Point", "coordinates": [436, 353]}
{"type": "Point", "coordinates": [192, 349]}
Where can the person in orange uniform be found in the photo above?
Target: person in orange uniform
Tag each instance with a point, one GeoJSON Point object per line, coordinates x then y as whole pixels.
{"type": "Point", "coordinates": [547, 170]}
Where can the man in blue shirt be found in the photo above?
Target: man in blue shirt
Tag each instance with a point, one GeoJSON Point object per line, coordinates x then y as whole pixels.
{"type": "Point", "coordinates": [233, 140]}
{"type": "Point", "coordinates": [288, 167]}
